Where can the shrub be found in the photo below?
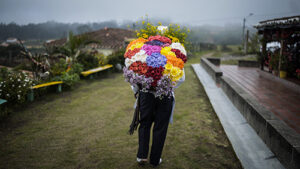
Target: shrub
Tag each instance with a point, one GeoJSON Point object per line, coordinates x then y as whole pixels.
{"type": "Point", "coordinates": [88, 61]}
{"type": "Point", "coordinates": [14, 87]}
{"type": "Point", "coordinates": [103, 60]}
{"type": "Point", "coordinates": [58, 68]}
{"type": "Point", "coordinates": [117, 57]}
{"type": "Point", "coordinates": [76, 68]}
{"type": "Point", "coordinates": [3, 73]}
{"type": "Point", "coordinates": [68, 79]}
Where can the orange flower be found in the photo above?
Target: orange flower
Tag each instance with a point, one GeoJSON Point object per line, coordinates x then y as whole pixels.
{"type": "Point", "coordinates": [175, 61]}
{"type": "Point", "coordinates": [139, 40]}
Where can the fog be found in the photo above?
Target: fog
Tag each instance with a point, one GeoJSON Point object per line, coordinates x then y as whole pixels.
{"type": "Point", "coordinates": [195, 12]}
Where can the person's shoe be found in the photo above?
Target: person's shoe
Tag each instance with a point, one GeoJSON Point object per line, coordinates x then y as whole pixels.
{"type": "Point", "coordinates": [160, 161]}
{"type": "Point", "coordinates": [141, 161]}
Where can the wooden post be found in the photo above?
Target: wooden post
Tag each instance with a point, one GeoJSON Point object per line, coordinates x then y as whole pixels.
{"type": "Point", "coordinates": [30, 95]}
{"type": "Point", "coordinates": [264, 52]}
{"type": "Point", "coordinates": [59, 88]}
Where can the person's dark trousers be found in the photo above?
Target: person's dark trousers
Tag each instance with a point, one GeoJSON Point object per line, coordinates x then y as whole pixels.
{"type": "Point", "coordinates": [158, 111]}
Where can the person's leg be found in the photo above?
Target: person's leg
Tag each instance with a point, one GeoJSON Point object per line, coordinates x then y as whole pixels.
{"type": "Point", "coordinates": [161, 123]}
{"type": "Point", "coordinates": [146, 120]}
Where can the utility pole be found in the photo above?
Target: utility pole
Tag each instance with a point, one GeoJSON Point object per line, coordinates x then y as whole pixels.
{"type": "Point", "coordinates": [244, 26]}
{"type": "Point", "coordinates": [246, 42]}
{"type": "Point", "coordinates": [244, 22]}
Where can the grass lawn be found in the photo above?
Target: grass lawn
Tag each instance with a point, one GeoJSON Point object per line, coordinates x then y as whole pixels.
{"type": "Point", "coordinates": [87, 128]}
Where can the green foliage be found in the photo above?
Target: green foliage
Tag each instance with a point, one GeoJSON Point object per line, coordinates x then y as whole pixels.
{"type": "Point", "coordinates": [103, 60]}
{"type": "Point", "coordinates": [22, 66]}
{"type": "Point", "coordinates": [88, 61]}
{"type": "Point", "coordinates": [14, 87]}
{"type": "Point", "coordinates": [58, 68]}
{"type": "Point", "coordinates": [3, 73]}
{"type": "Point", "coordinates": [76, 68]}
{"type": "Point", "coordinates": [117, 57]}
{"type": "Point", "coordinates": [68, 79]}
{"type": "Point", "coordinates": [254, 44]}
{"type": "Point", "coordinates": [174, 32]}
{"type": "Point", "coordinates": [274, 62]}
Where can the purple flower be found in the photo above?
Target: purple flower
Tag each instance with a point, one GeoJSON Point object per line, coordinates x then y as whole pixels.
{"type": "Point", "coordinates": [155, 43]}
{"type": "Point", "coordinates": [149, 49]}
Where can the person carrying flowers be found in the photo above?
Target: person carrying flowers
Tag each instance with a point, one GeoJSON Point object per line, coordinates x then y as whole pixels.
{"type": "Point", "coordinates": [154, 67]}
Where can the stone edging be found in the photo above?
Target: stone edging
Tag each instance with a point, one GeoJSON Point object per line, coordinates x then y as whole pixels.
{"type": "Point", "coordinates": [247, 63]}
{"type": "Point", "coordinates": [283, 141]}
{"type": "Point", "coordinates": [213, 70]}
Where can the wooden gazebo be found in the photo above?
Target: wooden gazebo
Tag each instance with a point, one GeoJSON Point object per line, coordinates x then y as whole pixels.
{"type": "Point", "coordinates": [286, 32]}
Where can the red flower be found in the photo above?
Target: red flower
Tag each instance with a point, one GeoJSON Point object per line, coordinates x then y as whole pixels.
{"type": "Point", "coordinates": [179, 55]}
{"type": "Point", "coordinates": [139, 67]}
{"type": "Point", "coordinates": [131, 53]}
{"type": "Point", "coordinates": [160, 38]}
{"type": "Point", "coordinates": [155, 73]}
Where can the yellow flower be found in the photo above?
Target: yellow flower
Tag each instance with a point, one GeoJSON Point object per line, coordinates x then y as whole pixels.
{"type": "Point", "coordinates": [145, 36]}
{"type": "Point", "coordinates": [137, 45]}
{"type": "Point", "coordinates": [165, 50]}
{"type": "Point", "coordinates": [175, 71]}
{"type": "Point", "coordinates": [166, 71]}
{"type": "Point", "coordinates": [168, 66]}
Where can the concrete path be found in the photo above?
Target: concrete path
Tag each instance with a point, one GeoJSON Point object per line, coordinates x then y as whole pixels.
{"type": "Point", "coordinates": [249, 148]}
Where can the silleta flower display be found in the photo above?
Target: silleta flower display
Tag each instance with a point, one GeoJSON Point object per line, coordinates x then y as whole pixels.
{"type": "Point", "coordinates": [154, 64]}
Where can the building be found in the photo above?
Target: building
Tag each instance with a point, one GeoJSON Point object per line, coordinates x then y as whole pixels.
{"type": "Point", "coordinates": [111, 39]}
{"type": "Point", "coordinates": [281, 45]}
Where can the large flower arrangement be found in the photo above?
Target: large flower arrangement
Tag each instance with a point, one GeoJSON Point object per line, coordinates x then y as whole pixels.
{"type": "Point", "coordinates": [154, 64]}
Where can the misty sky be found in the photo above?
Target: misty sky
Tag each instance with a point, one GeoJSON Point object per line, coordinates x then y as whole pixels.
{"type": "Point", "coordinates": [215, 12]}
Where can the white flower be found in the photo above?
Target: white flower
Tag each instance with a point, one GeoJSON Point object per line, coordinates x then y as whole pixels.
{"type": "Point", "coordinates": [162, 28]}
{"type": "Point", "coordinates": [128, 62]}
{"type": "Point", "coordinates": [7, 95]}
{"type": "Point", "coordinates": [140, 56]}
{"type": "Point", "coordinates": [19, 80]}
{"type": "Point", "coordinates": [179, 47]}
{"type": "Point", "coordinates": [13, 85]}
{"type": "Point", "coordinates": [19, 97]}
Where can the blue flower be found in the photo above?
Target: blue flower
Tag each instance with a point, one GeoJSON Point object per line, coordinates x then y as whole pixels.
{"type": "Point", "coordinates": [156, 60]}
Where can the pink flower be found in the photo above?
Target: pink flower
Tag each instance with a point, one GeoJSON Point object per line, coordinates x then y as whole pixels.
{"type": "Point", "coordinates": [149, 49]}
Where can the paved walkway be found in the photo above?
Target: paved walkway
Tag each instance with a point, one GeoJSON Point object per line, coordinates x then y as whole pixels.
{"type": "Point", "coordinates": [278, 98]}
{"type": "Point", "coordinates": [249, 148]}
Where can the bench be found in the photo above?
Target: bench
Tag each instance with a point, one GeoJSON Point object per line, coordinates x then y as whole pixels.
{"type": "Point", "coordinates": [30, 95]}
{"type": "Point", "coordinates": [2, 101]}
{"type": "Point", "coordinates": [91, 72]}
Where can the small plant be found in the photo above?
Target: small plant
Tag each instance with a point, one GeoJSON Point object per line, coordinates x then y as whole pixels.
{"type": "Point", "coordinates": [68, 79]}
{"type": "Point", "coordinates": [58, 68]}
{"type": "Point", "coordinates": [76, 68]}
{"type": "Point", "coordinates": [117, 58]}
{"type": "Point", "coordinates": [103, 60]}
{"type": "Point", "coordinates": [88, 61]}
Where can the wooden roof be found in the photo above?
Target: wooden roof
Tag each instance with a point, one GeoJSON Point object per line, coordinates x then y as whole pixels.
{"type": "Point", "coordinates": [284, 22]}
